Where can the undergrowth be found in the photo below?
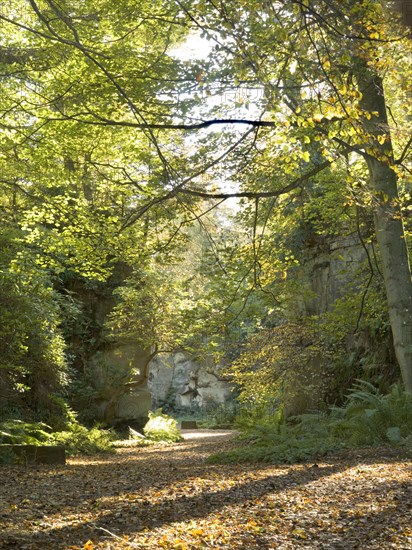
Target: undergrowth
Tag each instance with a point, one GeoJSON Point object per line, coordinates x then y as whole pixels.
{"type": "Point", "coordinates": [18, 432]}
{"type": "Point", "coordinates": [368, 418]}
{"type": "Point", "coordinates": [76, 438]}
{"type": "Point", "coordinates": [81, 440]}
{"type": "Point", "coordinates": [161, 427]}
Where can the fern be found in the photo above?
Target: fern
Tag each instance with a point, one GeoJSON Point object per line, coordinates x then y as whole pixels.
{"type": "Point", "coordinates": [76, 438]}
{"type": "Point", "coordinates": [80, 440]}
{"type": "Point", "coordinates": [161, 427]}
{"type": "Point", "coordinates": [367, 418]}
{"type": "Point", "coordinates": [28, 433]}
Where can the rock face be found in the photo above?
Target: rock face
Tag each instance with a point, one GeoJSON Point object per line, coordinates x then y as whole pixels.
{"type": "Point", "coordinates": [122, 396]}
{"type": "Point", "coordinates": [326, 270]}
{"type": "Point", "coordinates": [133, 406]}
{"type": "Point", "coordinates": [116, 370]}
{"type": "Point", "coordinates": [180, 382]}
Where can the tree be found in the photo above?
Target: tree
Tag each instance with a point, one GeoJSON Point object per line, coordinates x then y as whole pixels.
{"type": "Point", "coordinates": [79, 192]}
{"type": "Point", "coordinates": [33, 366]}
{"type": "Point", "coordinates": [324, 63]}
{"type": "Point", "coordinates": [314, 70]}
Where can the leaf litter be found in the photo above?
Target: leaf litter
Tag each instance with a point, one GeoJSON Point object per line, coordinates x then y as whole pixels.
{"type": "Point", "coordinates": [170, 497]}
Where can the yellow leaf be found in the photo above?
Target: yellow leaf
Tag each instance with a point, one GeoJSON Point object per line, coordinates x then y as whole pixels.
{"type": "Point", "coordinates": [88, 545]}
{"type": "Point", "coordinates": [331, 113]}
{"type": "Point", "coordinates": [180, 545]}
{"type": "Point", "coordinates": [197, 532]}
{"type": "Point", "coordinates": [251, 523]}
{"type": "Point", "coordinates": [300, 533]}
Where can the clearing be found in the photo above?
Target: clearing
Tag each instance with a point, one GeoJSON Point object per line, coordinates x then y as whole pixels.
{"type": "Point", "coordinates": [169, 497]}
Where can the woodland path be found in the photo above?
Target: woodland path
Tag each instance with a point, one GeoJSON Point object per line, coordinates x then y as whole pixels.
{"type": "Point", "coordinates": [169, 497]}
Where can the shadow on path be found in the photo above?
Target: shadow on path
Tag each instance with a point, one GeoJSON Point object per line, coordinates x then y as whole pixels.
{"type": "Point", "coordinates": [147, 488]}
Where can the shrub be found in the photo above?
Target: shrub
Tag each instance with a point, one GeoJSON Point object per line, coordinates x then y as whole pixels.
{"type": "Point", "coordinates": [268, 412]}
{"type": "Point", "coordinates": [287, 364]}
{"type": "Point", "coordinates": [161, 427]}
{"type": "Point", "coordinates": [33, 366]}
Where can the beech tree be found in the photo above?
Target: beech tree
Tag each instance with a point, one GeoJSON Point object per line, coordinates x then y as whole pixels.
{"type": "Point", "coordinates": [323, 67]}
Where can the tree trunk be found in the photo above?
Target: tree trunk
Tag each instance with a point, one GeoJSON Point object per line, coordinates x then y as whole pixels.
{"type": "Point", "coordinates": [388, 221]}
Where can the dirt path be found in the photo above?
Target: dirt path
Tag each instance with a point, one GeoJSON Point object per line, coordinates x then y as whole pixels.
{"type": "Point", "coordinates": [170, 498]}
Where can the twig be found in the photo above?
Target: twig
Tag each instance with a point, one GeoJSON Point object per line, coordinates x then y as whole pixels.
{"type": "Point", "coordinates": [130, 544]}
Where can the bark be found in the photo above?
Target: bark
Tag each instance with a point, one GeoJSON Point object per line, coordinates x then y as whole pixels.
{"type": "Point", "coordinates": [388, 222]}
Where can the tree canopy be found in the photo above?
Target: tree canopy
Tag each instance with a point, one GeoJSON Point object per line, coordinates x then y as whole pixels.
{"type": "Point", "coordinates": [116, 151]}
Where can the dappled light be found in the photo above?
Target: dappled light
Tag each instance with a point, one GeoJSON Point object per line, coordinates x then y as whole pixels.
{"type": "Point", "coordinates": [170, 498]}
{"type": "Point", "coordinates": [205, 274]}
{"type": "Point", "coordinates": [205, 434]}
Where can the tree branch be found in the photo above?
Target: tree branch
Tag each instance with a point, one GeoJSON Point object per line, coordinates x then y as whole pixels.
{"type": "Point", "coordinates": [259, 194]}
{"type": "Point", "coordinates": [178, 188]}
{"type": "Point", "coordinates": [404, 152]}
{"type": "Point", "coordinates": [101, 121]}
